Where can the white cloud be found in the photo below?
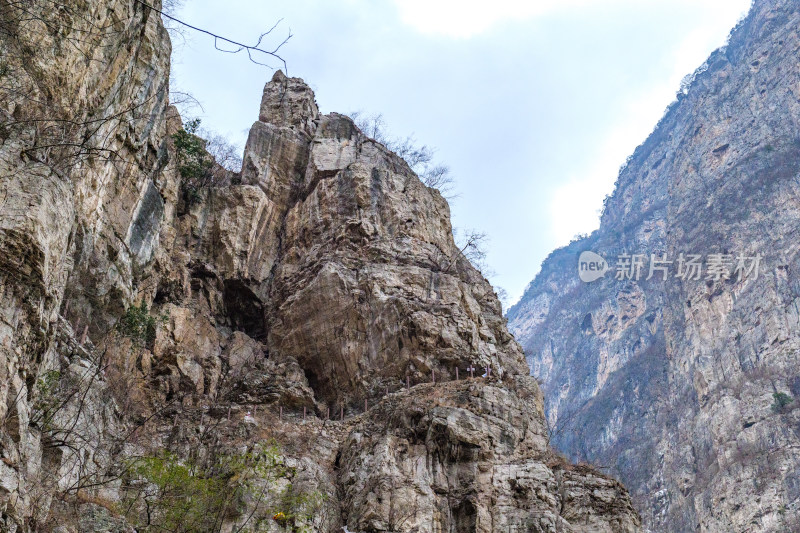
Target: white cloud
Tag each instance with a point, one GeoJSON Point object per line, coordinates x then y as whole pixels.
{"type": "Point", "coordinates": [466, 18]}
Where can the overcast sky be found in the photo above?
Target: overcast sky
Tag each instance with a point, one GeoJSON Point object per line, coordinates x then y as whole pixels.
{"type": "Point", "coordinates": [533, 105]}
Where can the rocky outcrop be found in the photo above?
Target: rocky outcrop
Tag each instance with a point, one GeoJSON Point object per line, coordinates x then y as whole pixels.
{"type": "Point", "coordinates": [459, 457]}
{"type": "Point", "coordinates": [333, 282]}
{"type": "Point", "coordinates": [155, 339]}
{"type": "Point", "coordinates": [333, 253]}
{"type": "Point", "coordinates": [676, 385]}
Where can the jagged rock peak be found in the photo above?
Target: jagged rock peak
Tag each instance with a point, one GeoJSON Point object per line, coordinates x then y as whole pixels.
{"type": "Point", "coordinates": [323, 280]}
{"type": "Point", "coordinates": [289, 102]}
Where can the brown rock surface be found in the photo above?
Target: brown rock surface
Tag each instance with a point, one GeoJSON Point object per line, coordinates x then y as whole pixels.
{"type": "Point", "coordinates": [323, 276]}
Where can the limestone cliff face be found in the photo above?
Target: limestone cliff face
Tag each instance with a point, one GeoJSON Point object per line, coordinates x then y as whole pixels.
{"type": "Point", "coordinates": [295, 304]}
{"type": "Point", "coordinates": [672, 384]}
{"type": "Point", "coordinates": [328, 281]}
{"type": "Point", "coordinates": [85, 201]}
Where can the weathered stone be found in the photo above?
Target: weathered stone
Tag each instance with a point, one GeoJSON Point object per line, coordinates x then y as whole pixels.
{"type": "Point", "coordinates": [322, 278]}
{"type": "Point", "coordinates": [288, 102]}
{"type": "Point", "coordinates": [82, 118]}
{"type": "Point", "coordinates": [469, 456]}
{"type": "Point", "coordinates": [670, 383]}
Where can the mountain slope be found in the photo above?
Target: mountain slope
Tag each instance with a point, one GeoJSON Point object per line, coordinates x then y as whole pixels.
{"type": "Point", "coordinates": [184, 348]}
{"type": "Point", "coordinates": [679, 386]}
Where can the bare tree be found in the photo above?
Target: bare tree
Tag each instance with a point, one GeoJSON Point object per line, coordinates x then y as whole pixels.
{"type": "Point", "coordinates": [225, 153]}
{"type": "Point", "coordinates": [373, 126]}
{"type": "Point", "coordinates": [502, 295]}
{"type": "Point", "coordinates": [472, 246]}
{"type": "Point", "coordinates": [170, 9]}
{"type": "Point", "coordinates": [419, 158]}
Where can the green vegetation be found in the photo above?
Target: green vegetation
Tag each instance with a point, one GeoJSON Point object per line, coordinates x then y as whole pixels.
{"type": "Point", "coordinates": [168, 494]}
{"type": "Point", "coordinates": [46, 403]}
{"type": "Point", "coordinates": [299, 507]}
{"type": "Point", "coordinates": [195, 164]}
{"type": "Point", "coordinates": [781, 401]}
{"type": "Point", "coordinates": [138, 325]}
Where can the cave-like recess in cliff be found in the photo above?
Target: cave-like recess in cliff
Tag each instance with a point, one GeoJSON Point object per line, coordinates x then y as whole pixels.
{"type": "Point", "coordinates": [244, 309]}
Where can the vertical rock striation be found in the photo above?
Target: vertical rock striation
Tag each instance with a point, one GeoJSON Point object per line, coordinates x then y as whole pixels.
{"type": "Point", "coordinates": [84, 202]}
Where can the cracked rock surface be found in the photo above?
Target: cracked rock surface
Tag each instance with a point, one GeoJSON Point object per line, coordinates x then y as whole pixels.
{"type": "Point", "coordinates": [272, 307]}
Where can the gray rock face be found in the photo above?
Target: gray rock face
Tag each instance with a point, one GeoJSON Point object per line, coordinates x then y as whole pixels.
{"type": "Point", "coordinates": [323, 279]}
{"type": "Point", "coordinates": [440, 458]}
{"type": "Point", "coordinates": [672, 384]}
{"type": "Point", "coordinates": [288, 102]}
{"type": "Point", "coordinates": [346, 259]}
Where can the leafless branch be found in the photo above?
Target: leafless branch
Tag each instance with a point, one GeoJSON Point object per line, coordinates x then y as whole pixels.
{"type": "Point", "coordinates": [419, 158]}
{"type": "Point", "coordinates": [472, 247]}
{"type": "Point", "coordinates": [249, 49]}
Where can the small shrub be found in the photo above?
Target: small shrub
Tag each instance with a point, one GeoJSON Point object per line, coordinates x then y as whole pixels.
{"type": "Point", "coordinates": [298, 507]}
{"type": "Point", "coordinates": [181, 496]}
{"type": "Point", "coordinates": [194, 163]}
{"type": "Point", "coordinates": [781, 401]}
{"type": "Point", "coordinates": [138, 325]}
{"type": "Point", "coordinates": [46, 402]}
{"type": "Point", "coordinates": [204, 159]}
{"type": "Point", "coordinates": [184, 496]}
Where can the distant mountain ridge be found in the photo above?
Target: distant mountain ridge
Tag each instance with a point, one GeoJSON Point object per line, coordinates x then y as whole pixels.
{"type": "Point", "coordinates": [688, 390]}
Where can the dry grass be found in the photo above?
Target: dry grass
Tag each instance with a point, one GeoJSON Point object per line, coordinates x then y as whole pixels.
{"type": "Point", "coordinates": [557, 461]}
{"type": "Point", "coordinates": [84, 497]}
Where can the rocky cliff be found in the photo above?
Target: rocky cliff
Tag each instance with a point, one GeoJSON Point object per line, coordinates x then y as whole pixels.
{"type": "Point", "coordinates": [185, 348]}
{"type": "Point", "coordinates": [687, 388]}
